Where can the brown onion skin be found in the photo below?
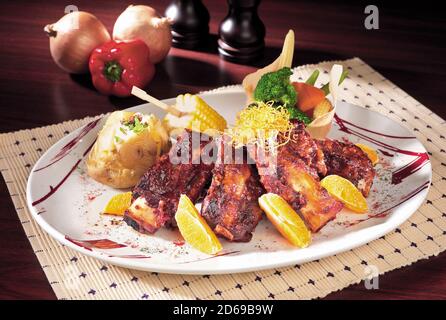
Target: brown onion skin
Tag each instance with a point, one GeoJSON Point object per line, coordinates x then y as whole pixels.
{"type": "Point", "coordinates": [71, 48]}
{"type": "Point", "coordinates": [158, 40]}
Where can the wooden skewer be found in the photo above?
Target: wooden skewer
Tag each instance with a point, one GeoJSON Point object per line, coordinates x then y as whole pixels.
{"type": "Point", "coordinates": [147, 97]}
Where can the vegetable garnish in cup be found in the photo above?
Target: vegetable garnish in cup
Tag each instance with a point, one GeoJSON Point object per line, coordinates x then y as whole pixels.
{"type": "Point", "coordinates": [323, 117]}
{"type": "Point", "coordinates": [303, 100]}
{"type": "Point", "coordinates": [118, 66]}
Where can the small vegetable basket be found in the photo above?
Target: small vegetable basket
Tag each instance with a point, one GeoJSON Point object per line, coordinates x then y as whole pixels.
{"type": "Point", "coordinates": [321, 125]}
{"type": "Point", "coordinates": [270, 84]}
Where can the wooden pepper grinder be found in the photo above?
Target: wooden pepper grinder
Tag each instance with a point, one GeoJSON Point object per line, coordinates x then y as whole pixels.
{"type": "Point", "coordinates": [241, 33]}
{"type": "Point", "coordinates": [190, 23]}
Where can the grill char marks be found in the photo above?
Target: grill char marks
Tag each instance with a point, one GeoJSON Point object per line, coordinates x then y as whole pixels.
{"type": "Point", "coordinates": [292, 172]}
{"type": "Point", "coordinates": [308, 151]}
{"type": "Point", "coordinates": [155, 198]}
{"type": "Point", "coordinates": [231, 205]}
{"type": "Point", "coordinates": [348, 161]}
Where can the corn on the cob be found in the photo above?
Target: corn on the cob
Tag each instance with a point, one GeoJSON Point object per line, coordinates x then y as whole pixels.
{"type": "Point", "coordinates": [322, 108]}
{"type": "Point", "coordinates": [202, 116]}
{"type": "Point", "coordinates": [190, 112]}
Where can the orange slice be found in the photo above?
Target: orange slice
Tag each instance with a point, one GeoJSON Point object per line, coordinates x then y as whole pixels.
{"type": "Point", "coordinates": [194, 228]}
{"type": "Point", "coordinates": [118, 204]}
{"type": "Point", "coordinates": [346, 192]}
{"type": "Point", "coordinates": [370, 152]}
{"type": "Point", "coordinates": [285, 219]}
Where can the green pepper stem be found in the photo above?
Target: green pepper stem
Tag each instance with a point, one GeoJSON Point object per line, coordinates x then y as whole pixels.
{"type": "Point", "coordinates": [113, 71]}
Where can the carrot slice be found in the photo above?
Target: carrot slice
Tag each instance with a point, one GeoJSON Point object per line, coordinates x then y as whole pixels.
{"type": "Point", "coordinates": [308, 96]}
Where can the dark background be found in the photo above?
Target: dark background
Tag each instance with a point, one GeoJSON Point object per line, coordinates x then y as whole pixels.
{"type": "Point", "coordinates": [408, 49]}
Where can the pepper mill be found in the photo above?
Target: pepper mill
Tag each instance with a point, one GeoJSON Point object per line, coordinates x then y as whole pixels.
{"type": "Point", "coordinates": [241, 33]}
{"type": "Point", "coordinates": [190, 23]}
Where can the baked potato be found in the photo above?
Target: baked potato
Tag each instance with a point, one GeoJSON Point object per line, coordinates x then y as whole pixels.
{"type": "Point", "coordinates": [128, 144]}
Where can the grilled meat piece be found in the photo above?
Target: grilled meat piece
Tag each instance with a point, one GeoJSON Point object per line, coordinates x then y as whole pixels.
{"type": "Point", "coordinates": [307, 150]}
{"type": "Point", "coordinates": [231, 205]}
{"type": "Point", "coordinates": [350, 162]}
{"type": "Point", "coordinates": [291, 172]}
{"type": "Point", "coordinates": [181, 171]}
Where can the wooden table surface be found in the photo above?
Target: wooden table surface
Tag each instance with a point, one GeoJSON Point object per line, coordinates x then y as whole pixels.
{"type": "Point", "coordinates": [409, 49]}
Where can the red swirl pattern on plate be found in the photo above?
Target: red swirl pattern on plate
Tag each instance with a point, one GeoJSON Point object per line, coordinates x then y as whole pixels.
{"type": "Point", "coordinates": [421, 158]}
{"type": "Point", "coordinates": [54, 189]}
{"type": "Point", "coordinates": [96, 244]}
{"type": "Point", "coordinates": [66, 149]}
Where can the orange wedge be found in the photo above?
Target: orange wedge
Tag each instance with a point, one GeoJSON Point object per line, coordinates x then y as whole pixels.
{"type": "Point", "coordinates": [285, 219]}
{"type": "Point", "coordinates": [118, 204]}
{"type": "Point", "coordinates": [194, 228]}
{"type": "Point", "coordinates": [346, 192]}
{"type": "Point", "coordinates": [370, 152]}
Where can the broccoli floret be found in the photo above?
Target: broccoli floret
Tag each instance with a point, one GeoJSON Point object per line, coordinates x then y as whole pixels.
{"type": "Point", "coordinates": [296, 114]}
{"type": "Point", "coordinates": [276, 86]}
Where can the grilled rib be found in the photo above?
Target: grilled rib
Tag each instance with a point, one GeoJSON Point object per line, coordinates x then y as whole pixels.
{"type": "Point", "coordinates": [292, 172]}
{"type": "Point", "coordinates": [307, 150]}
{"type": "Point", "coordinates": [348, 161]}
{"type": "Point", "coordinates": [231, 205]}
{"type": "Point", "coordinates": [155, 198]}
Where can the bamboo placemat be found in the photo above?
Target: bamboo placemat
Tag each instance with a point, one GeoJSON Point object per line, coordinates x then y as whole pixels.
{"type": "Point", "coordinates": [74, 276]}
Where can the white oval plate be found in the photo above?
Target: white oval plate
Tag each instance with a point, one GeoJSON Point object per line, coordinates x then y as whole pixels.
{"type": "Point", "coordinates": [66, 203]}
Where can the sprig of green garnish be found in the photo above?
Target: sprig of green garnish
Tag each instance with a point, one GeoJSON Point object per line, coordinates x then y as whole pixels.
{"type": "Point", "coordinates": [136, 125]}
{"type": "Point", "coordinates": [296, 114]}
{"type": "Point", "coordinates": [139, 127]}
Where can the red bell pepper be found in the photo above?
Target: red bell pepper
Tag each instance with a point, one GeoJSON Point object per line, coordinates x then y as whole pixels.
{"type": "Point", "coordinates": [116, 67]}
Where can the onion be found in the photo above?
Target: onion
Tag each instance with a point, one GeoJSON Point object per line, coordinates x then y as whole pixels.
{"type": "Point", "coordinates": [73, 38]}
{"type": "Point", "coordinates": [143, 22]}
